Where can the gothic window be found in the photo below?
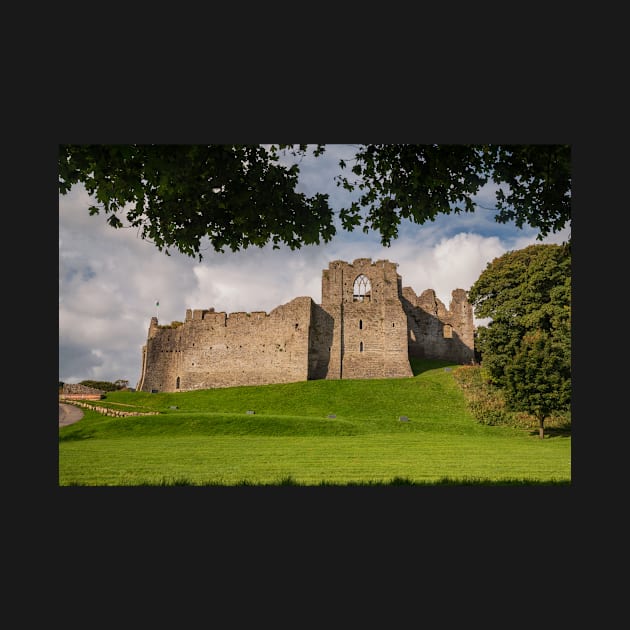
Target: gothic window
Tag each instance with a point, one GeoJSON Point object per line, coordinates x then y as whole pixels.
{"type": "Point", "coordinates": [448, 331]}
{"type": "Point", "coordinates": [362, 290]}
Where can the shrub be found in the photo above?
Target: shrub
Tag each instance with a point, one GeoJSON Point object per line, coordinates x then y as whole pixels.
{"type": "Point", "coordinates": [485, 402]}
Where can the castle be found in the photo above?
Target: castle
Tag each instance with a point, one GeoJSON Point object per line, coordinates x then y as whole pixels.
{"type": "Point", "coordinates": [367, 326]}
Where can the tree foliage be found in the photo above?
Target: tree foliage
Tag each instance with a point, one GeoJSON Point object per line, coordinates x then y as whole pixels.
{"type": "Point", "coordinates": [106, 386]}
{"type": "Point", "coordinates": [235, 195]}
{"type": "Point", "coordinates": [418, 182]}
{"type": "Point", "coordinates": [526, 347]}
{"type": "Point", "coordinates": [538, 379]}
{"type": "Point", "coordinates": [239, 196]}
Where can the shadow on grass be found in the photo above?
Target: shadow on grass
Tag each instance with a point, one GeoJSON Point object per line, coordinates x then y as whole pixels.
{"type": "Point", "coordinates": [553, 432]}
{"type": "Point", "coordinates": [77, 436]}
{"type": "Point", "coordinates": [418, 366]}
{"type": "Point", "coordinates": [396, 481]}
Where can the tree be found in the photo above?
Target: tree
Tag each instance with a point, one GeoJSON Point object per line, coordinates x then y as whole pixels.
{"type": "Point", "coordinates": [522, 291]}
{"type": "Point", "coordinates": [238, 196]}
{"type": "Point", "coordinates": [538, 379]}
{"type": "Point", "coordinates": [526, 347]}
{"type": "Point", "coordinates": [418, 182]}
{"type": "Point", "coordinates": [105, 386]}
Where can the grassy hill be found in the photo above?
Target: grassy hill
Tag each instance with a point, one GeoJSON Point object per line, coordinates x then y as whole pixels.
{"type": "Point", "coordinates": [310, 433]}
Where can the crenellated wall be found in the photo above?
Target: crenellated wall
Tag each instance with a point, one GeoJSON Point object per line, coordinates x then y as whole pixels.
{"type": "Point", "coordinates": [366, 326]}
{"type": "Point", "coordinates": [218, 350]}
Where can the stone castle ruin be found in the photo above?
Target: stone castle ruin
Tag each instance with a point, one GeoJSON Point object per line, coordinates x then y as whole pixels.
{"type": "Point", "coordinates": [367, 326]}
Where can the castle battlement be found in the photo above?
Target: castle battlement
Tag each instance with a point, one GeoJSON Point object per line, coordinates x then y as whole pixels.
{"type": "Point", "coordinates": [367, 326]}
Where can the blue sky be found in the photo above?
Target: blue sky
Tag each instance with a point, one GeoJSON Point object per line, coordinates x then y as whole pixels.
{"type": "Point", "coordinates": [110, 279]}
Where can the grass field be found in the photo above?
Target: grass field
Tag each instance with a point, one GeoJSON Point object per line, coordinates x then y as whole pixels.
{"type": "Point", "coordinates": [208, 438]}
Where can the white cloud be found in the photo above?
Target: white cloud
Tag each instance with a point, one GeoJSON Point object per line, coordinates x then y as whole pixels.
{"type": "Point", "coordinates": [450, 263]}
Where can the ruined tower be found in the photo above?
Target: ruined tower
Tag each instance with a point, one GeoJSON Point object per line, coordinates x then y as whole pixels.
{"type": "Point", "coordinates": [370, 325]}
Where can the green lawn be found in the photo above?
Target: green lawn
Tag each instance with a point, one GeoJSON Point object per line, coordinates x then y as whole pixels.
{"type": "Point", "coordinates": [290, 439]}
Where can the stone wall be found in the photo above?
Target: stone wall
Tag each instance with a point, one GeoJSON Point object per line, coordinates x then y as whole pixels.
{"type": "Point", "coordinates": [220, 350]}
{"type": "Point", "coordinates": [370, 339]}
{"type": "Point", "coordinates": [320, 342]}
{"type": "Point", "coordinates": [435, 332]}
{"type": "Point", "coordinates": [76, 391]}
{"type": "Point", "coordinates": [367, 326]}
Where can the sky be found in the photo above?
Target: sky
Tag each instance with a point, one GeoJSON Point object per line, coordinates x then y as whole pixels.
{"type": "Point", "coordinates": [110, 279]}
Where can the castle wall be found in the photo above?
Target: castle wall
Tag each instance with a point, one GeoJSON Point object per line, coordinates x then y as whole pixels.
{"type": "Point", "coordinates": [375, 341]}
{"type": "Point", "coordinates": [320, 342]}
{"type": "Point", "coordinates": [435, 332]}
{"type": "Point", "coordinates": [217, 350]}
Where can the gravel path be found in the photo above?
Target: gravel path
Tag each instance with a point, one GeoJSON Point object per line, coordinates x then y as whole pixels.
{"type": "Point", "coordinates": [69, 414]}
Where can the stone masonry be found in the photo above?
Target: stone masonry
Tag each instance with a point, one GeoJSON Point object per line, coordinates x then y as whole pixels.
{"type": "Point", "coordinates": [76, 391]}
{"type": "Point", "coordinates": [367, 326]}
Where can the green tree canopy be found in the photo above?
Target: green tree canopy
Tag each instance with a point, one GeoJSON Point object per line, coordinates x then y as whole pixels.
{"type": "Point", "coordinates": [105, 386]}
{"type": "Point", "coordinates": [238, 196]}
{"type": "Point", "coordinates": [538, 379]}
{"type": "Point", "coordinates": [527, 295]}
{"type": "Point", "coordinates": [418, 182]}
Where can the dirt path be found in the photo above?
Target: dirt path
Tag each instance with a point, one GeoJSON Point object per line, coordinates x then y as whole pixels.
{"type": "Point", "coordinates": [69, 414]}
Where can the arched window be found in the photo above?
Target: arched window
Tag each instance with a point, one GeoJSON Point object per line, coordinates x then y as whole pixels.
{"type": "Point", "coordinates": [361, 347]}
{"type": "Point", "coordinates": [362, 289]}
{"type": "Point", "coordinates": [177, 383]}
{"type": "Point", "coordinates": [360, 324]}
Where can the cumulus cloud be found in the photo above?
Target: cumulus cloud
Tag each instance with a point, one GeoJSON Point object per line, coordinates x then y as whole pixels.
{"type": "Point", "coordinates": [448, 264]}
